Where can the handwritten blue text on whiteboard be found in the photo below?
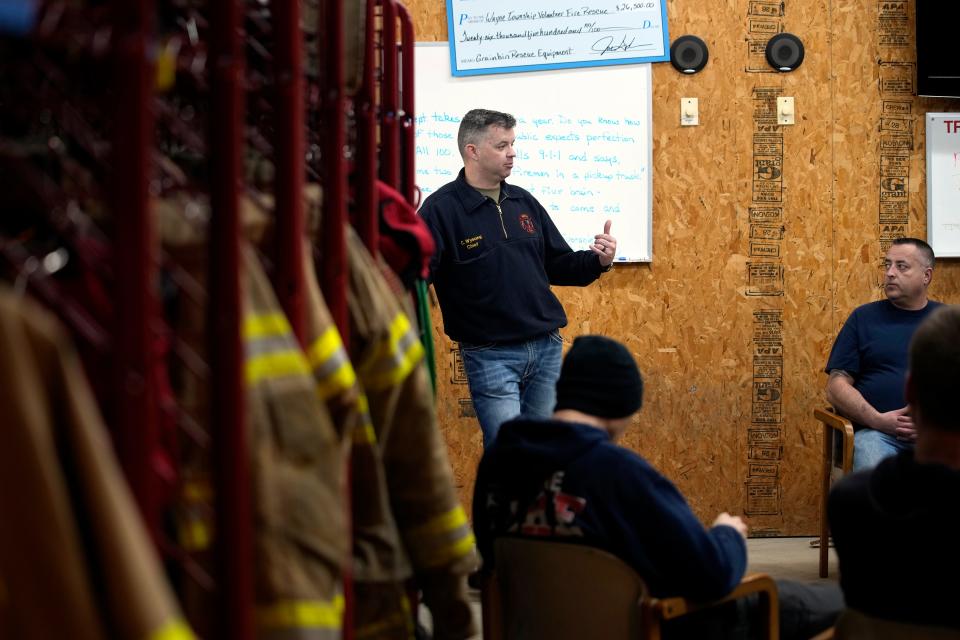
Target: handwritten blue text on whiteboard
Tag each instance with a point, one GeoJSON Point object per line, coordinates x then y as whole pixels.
{"type": "Point", "coordinates": [504, 36]}
{"type": "Point", "coordinates": [583, 142]}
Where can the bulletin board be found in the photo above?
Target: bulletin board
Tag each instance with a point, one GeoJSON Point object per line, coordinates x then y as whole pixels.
{"type": "Point", "coordinates": [583, 142]}
{"type": "Point", "coordinates": [943, 184]}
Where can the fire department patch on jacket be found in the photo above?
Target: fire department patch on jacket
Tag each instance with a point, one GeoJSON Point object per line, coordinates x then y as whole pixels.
{"type": "Point", "coordinates": [526, 223]}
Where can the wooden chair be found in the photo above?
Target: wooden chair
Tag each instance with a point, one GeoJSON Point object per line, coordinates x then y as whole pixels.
{"type": "Point", "coordinates": [836, 462]}
{"type": "Point", "coordinates": [854, 625]}
{"type": "Point", "coordinates": [544, 590]}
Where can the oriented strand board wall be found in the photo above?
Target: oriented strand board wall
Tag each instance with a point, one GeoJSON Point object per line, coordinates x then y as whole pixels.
{"type": "Point", "coordinates": [765, 238]}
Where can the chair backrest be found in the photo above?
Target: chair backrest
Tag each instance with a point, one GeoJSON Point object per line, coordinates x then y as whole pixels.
{"type": "Point", "coordinates": [837, 461]}
{"type": "Point", "coordinates": [550, 590]}
{"type": "Point", "coordinates": [854, 625]}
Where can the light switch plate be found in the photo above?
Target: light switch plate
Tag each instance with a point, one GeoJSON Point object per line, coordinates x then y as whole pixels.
{"type": "Point", "coordinates": [785, 111]}
{"type": "Point", "coordinates": [689, 112]}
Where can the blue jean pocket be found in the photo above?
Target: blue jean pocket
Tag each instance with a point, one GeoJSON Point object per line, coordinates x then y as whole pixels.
{"type": "Point", "coordinates": [482, 346]}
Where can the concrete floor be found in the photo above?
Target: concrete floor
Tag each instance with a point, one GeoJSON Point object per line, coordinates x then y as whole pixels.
{"type": "Point", "coordinates": [788, 558]}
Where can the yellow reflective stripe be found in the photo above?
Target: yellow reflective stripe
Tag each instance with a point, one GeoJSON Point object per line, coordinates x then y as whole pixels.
{"type": "Point", "coordinates": [175, 629]}
{"type": "Point", "coordinates": [325, 346]}
{"type": "Point", "coordinates": [364, 432]}
{"type": "Point", "coordinates": [166, 69]}
{"type": "Point", "coordinates": [428, 544]}
{"type": "Point", "coordinates": [441, 555]}
{"type": "Point", "coordinates": [378, 376]}
{"type": "Point", "coordinates": [390, 347]}
{"type": "Point", "coordinates": [276, 365]}
{"type": "Point", "coordinates": [194, 536]}
{"type": "Point", "coordinates": [265, 326]}
{"type": "Point", "coordinates": [442, 524]}
{"type": "Point", "coordinates": [338, 381]}
{"type": "Point", "coordinates": [324, 349]}
{"type": "Point", "coordinates": [302, 614]}
{"type": "Point", "coordinates": [363, 405]}
{"type": "Point", "coordinates": [410, 360]}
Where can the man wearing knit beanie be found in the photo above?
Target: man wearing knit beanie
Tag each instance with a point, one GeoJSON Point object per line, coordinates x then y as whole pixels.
{"type": "Point", "coordinates": [600, 379]}
{"type": "Point", "coordinates": [565, 477]}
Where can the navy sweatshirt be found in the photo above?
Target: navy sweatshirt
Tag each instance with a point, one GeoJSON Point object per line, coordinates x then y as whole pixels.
{"type": "Point", "coordinates": [562, 480]}
{"type": "Point", "coordinates": [493, 268]}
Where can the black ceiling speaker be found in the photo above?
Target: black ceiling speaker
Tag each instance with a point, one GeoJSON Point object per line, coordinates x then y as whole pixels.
{"type": "Point", "coordinates": [784, 52]}
{"type": "Point", "coordinates": [688, 54]}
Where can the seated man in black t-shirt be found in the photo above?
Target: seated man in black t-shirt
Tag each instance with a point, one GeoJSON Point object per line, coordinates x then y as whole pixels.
{"type": "Point", "coordinates": [869, 357]}
{"type": "Point", "coordinates": [896, 526]}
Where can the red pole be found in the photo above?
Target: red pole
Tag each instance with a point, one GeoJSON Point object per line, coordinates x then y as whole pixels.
{"type": "Point", "coordinates": [389, 98]}
{"type": "Point", "coordinates": [136, 419]}
{"type": "Point", "coordinates": [408, 175]}
{"type": "Point", "coordinates": [233, 547]}
{"type": "Point", "coordinates": [289, 145]}
{"type": "Point", "coordinates": [333, 259]}
{"type": "Point", "coordinates": [332, 128]}
{"type": "Point", "coordinates": [366, 167]}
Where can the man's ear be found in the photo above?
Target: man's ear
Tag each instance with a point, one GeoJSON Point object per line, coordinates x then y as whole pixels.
{"type": "Point", "coordinates": [470, 151]}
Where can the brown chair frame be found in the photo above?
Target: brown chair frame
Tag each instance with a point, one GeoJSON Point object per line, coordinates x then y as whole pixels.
{"type": "Point", "coordinates": [564, 577]}
{"type": "Point", "coordinates": [837, 461]}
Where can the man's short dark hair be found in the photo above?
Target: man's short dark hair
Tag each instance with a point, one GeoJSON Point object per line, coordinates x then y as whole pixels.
{"type": "Point", "coordinates": [935, 368]}
{"type": "Point", "coordinates": [474, 126]}
{"type": "Point", "coordinates": [926, 251]}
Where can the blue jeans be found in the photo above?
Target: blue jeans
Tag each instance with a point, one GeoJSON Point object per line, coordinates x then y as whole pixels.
{"type": "Point", "coordinates": [871, 446]}
{"type": "Point", "coordinates": [508, 380]}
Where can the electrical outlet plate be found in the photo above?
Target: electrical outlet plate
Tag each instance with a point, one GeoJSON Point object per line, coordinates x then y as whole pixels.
{"type": "Point", "coordinates": [785, 111]}
{"type": "Point", "coordinates": [689, 112]}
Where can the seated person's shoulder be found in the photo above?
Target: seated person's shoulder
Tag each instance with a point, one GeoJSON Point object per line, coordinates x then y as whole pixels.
{"type": "Point", "coordinates": [628, 465]}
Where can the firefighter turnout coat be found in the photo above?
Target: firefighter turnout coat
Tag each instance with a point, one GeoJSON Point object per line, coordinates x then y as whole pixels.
{"type": "Point", "coordinates": [388, 358]}
{"type": "Point", "coordinates": [75, 558]}
{"type": "Point", "coordinates": [301, 535]}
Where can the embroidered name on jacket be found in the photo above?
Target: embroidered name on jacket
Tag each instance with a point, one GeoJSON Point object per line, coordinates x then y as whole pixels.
{"type": "Point", "coordinates": [526, 223]}
{"type": "Point", "coordinates": [471, 243]}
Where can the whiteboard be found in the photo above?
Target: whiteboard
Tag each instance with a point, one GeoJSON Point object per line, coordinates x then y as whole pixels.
{"type": "Point", "coordinates": [943, 184]}
{"type": "Point", "coordinates": [584, 146]}
{"type": "Point", "coordinates": [503, 36]}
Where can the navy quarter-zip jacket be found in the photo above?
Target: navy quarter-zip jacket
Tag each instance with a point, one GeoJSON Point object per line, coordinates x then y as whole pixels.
{"type": "Point", "coordinates": [495, 262]}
